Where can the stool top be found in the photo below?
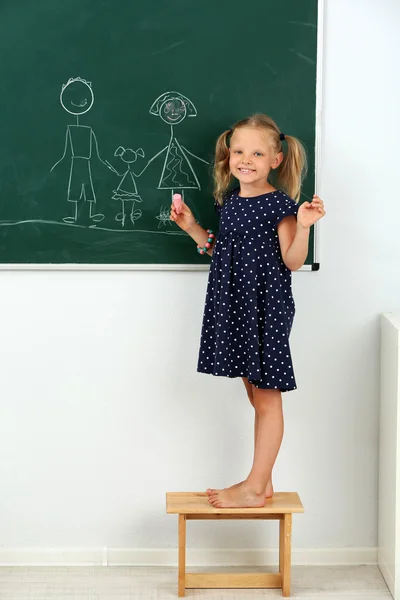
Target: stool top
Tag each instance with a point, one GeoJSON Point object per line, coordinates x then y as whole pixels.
{"type": "Point", "coordinates": [192, 503]}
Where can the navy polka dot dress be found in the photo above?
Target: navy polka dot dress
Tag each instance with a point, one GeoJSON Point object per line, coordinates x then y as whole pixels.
{"type": "Point", "coordinates": [249, 306]}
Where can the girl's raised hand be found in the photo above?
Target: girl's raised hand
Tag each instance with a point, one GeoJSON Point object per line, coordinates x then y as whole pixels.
{"type": "Point", "coordinates": [184, 219]}
{"type": "Point", "coordinates": [310, 212]}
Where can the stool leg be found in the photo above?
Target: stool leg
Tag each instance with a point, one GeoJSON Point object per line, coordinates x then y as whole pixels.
{"type": "Point", "coordinates": [281, 536]}
{"type": "Point", "coordinates": [285, 546]}
{"type": "Point", "coordinates": [182, 554]}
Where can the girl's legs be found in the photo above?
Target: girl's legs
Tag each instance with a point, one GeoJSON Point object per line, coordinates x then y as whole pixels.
{"type": "Point", "coordinates": [121, 216]}
{"type": "Point", "coordinates": [249, 389]}
{"type": "Point", "coordinates": [269, 490]}
{"type": "Point", "coordinates": [252, 491]}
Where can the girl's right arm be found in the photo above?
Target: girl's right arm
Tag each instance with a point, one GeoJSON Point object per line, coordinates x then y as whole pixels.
{"type": "Point", "coordinates": [186, 221]}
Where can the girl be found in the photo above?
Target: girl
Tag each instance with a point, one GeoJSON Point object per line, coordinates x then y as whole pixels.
{"type": "Point", "coordinates": [249, 307]}
{"type": "Point", "coordinates": [127, 190]}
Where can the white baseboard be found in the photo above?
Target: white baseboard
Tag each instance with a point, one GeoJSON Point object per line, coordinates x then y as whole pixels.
{"type": "Point", "coordinates": [167, 557]}
{"type": "Point", "coordinates": [387, 573]}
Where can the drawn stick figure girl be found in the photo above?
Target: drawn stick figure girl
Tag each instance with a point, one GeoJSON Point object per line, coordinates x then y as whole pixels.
{"type": "Point", "coordinates": [127, 190]}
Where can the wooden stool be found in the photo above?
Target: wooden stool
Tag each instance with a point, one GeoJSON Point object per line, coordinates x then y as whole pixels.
{"type": "Point", "coordinates": [192, 505]}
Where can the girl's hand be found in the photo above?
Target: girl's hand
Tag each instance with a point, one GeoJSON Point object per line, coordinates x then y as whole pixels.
{"type": "Point", "coordinates": [185, 219]}
{"type": "Point", "coordinates": [310, 212]}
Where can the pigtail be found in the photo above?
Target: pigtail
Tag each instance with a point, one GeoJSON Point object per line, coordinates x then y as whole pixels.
{"type": "Point", "coordinates": [293, 168]}
{"type": "Point", "coordinates": [222, 174]}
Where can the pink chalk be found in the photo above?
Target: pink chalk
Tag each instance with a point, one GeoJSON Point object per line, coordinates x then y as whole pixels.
{"type": "Point", "coordinates": [177, 200]}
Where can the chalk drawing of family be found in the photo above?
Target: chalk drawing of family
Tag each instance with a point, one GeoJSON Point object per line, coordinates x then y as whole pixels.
{"type": "Point", "coordinates": [81, 147]}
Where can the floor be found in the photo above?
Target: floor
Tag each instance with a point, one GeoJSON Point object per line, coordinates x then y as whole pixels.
{"type": "Point", "coordinates": [156, 583]}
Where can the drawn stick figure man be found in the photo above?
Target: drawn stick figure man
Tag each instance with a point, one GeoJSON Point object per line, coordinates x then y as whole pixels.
{"type": "Point", "coordinates": [77, 98]}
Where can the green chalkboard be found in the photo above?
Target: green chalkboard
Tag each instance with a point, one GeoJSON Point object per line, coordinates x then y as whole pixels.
{"type": "Point", "coordinates": [108, 107]}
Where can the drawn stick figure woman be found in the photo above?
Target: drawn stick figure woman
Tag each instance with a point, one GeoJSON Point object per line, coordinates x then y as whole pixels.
{"type": "Point", "coordinates": [178, 173]}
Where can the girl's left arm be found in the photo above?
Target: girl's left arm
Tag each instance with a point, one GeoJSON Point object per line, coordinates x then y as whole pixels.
{"type": "Point", "coordinates": [294, 234]}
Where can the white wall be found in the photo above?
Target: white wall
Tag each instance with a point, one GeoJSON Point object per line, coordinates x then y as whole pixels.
{"type": "Point", "coordinates": [389, 454]}
{"type": "Point", "coordinates": [101, 408]}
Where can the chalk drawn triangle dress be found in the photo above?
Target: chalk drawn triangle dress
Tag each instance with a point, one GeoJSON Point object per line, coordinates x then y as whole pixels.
{"type": "Point", "coordinates": [177, 171]}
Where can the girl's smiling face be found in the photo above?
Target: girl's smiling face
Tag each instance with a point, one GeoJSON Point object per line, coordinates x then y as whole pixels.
{"type": "Point", "coordinates": [173, 111]}
{"type": "Point", "coordinates": [251, 156]}
{"type": "Point", "coordinates": [77, 97]}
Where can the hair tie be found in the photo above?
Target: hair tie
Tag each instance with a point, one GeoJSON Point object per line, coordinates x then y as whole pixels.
{"type": "Point", "coordinates": [282, 137]}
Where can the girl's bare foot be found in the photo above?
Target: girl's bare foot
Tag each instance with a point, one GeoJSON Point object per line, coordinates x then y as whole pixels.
{"type": "Point", "coordinates": [269, 490]}
{"type": "Point", "coordinates": [236, 496]}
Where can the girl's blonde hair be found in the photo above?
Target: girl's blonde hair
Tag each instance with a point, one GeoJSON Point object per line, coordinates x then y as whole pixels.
{"type": "Point", "coordinates": [290, 173]}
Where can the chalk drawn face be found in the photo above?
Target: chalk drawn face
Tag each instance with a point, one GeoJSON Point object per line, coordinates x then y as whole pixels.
{"type": "Point", "coordinates": [77, 97]}
{"type": "Point", "coordinates": [129, 156]}
{"type": "Point", "coordinates": [173, 111]}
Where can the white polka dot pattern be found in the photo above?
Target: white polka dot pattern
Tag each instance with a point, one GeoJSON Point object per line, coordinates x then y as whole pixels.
{"type": "Point", "coordinates": [249, 307]}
